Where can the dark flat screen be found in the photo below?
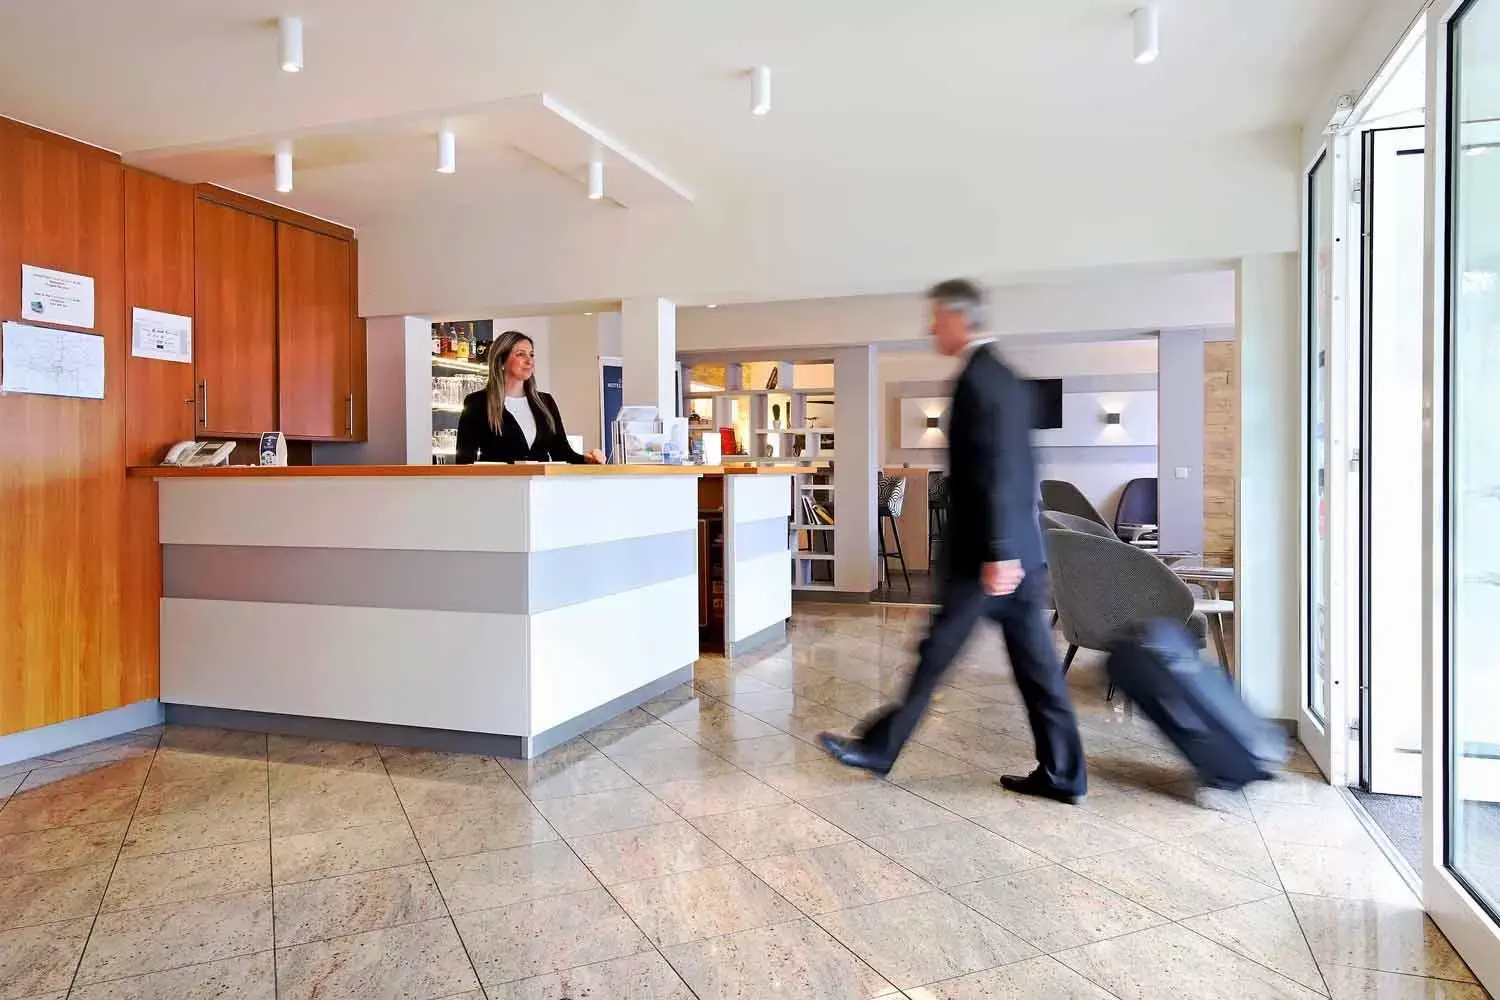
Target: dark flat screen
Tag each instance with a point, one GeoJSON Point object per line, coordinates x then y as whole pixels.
{"type": "Point", "coordinates": [1046, 403]}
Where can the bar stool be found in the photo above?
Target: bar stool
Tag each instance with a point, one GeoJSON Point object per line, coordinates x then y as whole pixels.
{"type": "Point", "coordinates": [890, 499]}
{"type": "Point", "coordinates": [937, 511]}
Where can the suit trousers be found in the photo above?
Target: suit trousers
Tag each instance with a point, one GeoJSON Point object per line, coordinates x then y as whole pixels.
{"type": "Point", "coordinates": [1033, 658]}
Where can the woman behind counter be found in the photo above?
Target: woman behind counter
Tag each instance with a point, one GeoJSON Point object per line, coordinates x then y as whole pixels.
{"type": "Point", "coordinates": [510, 420]}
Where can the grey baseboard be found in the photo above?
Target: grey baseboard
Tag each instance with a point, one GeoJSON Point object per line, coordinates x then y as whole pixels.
{"type": "Point", "coordinates": [61, 736]}
{"type": "Point", "coordinates": [830, 597]}
{"type": "Point", "coordinates": [558, 735]}
{"type": "Point", "coordinates": [760, 640]}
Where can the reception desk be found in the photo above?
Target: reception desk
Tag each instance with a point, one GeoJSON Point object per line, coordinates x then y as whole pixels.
{"type": "Point", "coordinates": [493, 608]}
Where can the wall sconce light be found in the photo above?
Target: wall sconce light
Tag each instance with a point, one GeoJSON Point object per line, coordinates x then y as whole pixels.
{"type": "Point", "coordinates": [934, 422]}
{"type": "Point", "coordinates": [1112, 417]}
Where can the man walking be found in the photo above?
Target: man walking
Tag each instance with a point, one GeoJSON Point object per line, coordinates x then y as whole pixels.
{"type": "Point", "coordinates": [993, 563]}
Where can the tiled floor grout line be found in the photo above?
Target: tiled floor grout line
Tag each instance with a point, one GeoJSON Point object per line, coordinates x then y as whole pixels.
{"type": "Point", "coordinates": [104, 894]}
{"type": "Point", "coordinates": [271, 852]}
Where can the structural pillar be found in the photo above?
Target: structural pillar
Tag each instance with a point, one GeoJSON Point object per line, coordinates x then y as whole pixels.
{"type": "Point", "coordinates": [648, 336]}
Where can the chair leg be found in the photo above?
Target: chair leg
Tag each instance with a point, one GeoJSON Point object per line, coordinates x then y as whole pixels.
{"type": "Point", "coordinates": [881, 553]}
{"type": "Point", "coordinates": [1216, 626]}
{"type": "Point", "coordinates": [1068, 660]}
{"type": "Point", "coordinates": [1054, 619]}
{"type": "Point", "coordinates": [900, 555]}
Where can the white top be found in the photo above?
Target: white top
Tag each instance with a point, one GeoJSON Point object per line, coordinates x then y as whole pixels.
{"type": "Point", "coordinates": [521, 410]}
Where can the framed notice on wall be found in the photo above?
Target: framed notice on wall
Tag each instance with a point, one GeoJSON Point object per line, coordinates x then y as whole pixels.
{"type": "Point", "coordinates": [161, 336]}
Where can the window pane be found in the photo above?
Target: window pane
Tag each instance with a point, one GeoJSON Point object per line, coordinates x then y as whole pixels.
{"type": "Point", "coordinates": [1320, 313]}
{"type": "Point", "coordinates": [1472, 739]}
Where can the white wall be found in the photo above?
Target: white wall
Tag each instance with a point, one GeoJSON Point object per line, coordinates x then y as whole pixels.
{"type": "Point", "coordinates": [1180, 439]}
{"type": "Point", "coordinates": [398, 397]}
{"type": "Point", "coordinates": [577, 342]}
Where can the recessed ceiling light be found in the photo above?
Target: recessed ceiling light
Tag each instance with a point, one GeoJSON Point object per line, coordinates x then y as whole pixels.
{"type": "Point", "coordinates": [713, 305]}
{"type": "Point", "coordinates": [1147, 23]}
{"type": "Point", "coordinates": [596, 178]}
{"type": "Point", "coordinates": [760, 90]}
{"type": "Point", "coordinates": [588, 314]}
{"type": "Point", "coordinates": [447, 152]}
{"type": "Point", "coordinates": [283, 166]}
{"type": "Point", "coordinates": [291, 44]}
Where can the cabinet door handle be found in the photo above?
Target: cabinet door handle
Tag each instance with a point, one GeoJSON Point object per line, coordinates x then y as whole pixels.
{"type": "Point", "coordinates": [349, 415]}
{"type": "Point", "coordinates": [203, 397]}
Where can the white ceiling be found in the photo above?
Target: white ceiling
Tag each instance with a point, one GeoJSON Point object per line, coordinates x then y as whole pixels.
{"type": "Point", "coordinates": [877, 103]}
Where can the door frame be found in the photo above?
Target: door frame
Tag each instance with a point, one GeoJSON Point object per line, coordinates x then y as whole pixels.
{"type": "Point", "coordinates": [1468, 926]}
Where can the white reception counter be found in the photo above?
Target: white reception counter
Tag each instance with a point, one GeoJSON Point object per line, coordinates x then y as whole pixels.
{"type": "Point", "coordinates": [496, 609]}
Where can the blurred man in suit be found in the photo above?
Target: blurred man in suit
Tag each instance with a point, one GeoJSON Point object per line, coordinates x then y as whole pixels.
{"type": "Point", "coordinates": [992, 561]}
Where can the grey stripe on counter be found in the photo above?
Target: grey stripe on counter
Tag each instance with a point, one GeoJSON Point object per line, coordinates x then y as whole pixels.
{"type": "Point", "coordinates": [753, 539]}
{"type": "Point", "coordinates": [485, 582]}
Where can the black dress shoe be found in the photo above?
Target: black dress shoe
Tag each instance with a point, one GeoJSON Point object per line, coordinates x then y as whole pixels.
{"type": "Point", "coordinates": [852, 753]}
{"type": "Point", "coordinates": [1035, 784]}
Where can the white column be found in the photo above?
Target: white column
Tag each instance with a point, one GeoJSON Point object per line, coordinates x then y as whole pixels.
{"type": "Point", "coordinates": [856, 382]}
{"type": "Point", "coordinates": [1268, 550]}
{"type": "Point", "coordinates": [648, 335]}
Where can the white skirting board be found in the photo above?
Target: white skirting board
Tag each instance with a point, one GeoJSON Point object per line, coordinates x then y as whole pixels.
{"type": "Point", "coordinates": [61, 736]}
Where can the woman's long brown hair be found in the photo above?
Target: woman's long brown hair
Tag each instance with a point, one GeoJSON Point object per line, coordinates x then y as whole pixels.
{"type": "Point", "coordinates": [494, 392]}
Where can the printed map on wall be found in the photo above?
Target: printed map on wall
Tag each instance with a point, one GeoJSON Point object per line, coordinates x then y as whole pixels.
{"type": "Point", "coordinates": [47, 362]}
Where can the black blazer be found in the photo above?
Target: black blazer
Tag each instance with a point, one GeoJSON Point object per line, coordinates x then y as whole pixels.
{"type": "Point", "coordinates": [992, 486]}
{"type": "Point", "coordinates": [477, 442]}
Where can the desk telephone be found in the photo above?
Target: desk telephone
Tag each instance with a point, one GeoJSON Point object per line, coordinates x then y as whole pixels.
{"type": "Point", "coordinates": [199, 453]}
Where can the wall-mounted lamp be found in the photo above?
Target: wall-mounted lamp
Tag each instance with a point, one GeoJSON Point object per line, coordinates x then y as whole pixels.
{"type": "Point", "coordinates": [1112, 417]}
{"type": "Point", "coordinates": [934, 422]}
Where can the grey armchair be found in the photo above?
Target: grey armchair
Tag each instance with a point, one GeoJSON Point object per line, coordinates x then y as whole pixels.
{"type": "Point", "coordinates": [1072, 522]}
{"type": "Point", "coordinates": [1061, 495]}
{"type": "Point", "coordinates": [1100, 585]}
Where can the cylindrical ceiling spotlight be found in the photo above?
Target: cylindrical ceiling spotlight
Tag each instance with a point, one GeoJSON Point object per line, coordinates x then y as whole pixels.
{"type": "Point", "coordinates": [596, 177]}
{"type": "Point", "coordinates": [447, 151]}
{"type": "Point", "coordinates": [284, 167]}
{"type": "Point", "coordinates": [760, 90]}
{"type": "Point", "coordinates": [1147, 22]}
{"type": "Point", "coordinates": [290, 29]}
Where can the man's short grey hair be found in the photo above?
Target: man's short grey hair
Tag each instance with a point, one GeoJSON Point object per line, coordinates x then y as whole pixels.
{"type": "Point", "coordinates": [960, 295]}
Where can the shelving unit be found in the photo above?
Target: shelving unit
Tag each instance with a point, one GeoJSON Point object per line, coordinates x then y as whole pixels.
{"type": "Point", "coordinates": [446, 411]}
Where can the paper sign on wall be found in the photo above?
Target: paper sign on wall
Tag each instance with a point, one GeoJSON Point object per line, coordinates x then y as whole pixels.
{"type": "Point", "coordinates": [161, 336]}
{"type": "Point", "coordinates": [49, 296]}
{"type": "Point", "coordinates": [49, 362]}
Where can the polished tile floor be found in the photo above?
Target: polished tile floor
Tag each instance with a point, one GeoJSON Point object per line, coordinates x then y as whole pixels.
{"type": "Point", "coordinates": [699, 847]}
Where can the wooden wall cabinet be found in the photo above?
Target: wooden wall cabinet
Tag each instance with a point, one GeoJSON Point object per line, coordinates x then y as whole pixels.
{"type": "Point", "coordinates": [235, 321]}
{"type": "Point", "coordinates": [316, 332]}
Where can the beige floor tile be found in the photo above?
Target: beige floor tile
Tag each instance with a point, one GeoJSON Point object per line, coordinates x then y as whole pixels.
{"type": "Point", "coordinates": [772, 699]}
{"type": "Point", "coordinates": [770, 830]}
{"type": "Point", "coordinates": [1386, 937]}
{"type": "Point", "coordinates": [722, 793]}
{"type": "Point", "coordinates": [837, 877]}
{"type": "Point", "coordinates": [648, 852]}
{"type": "Point", "coordinates": [970, 793]}
{"type": "Point", "coordinates": [1172, 961]}
{"type": "Point", "coordinates": [24, 814]}
{"type": "Point", "coordinates": [806, 723]}
{"type": "Point", "coordinates": [644, 739]}
{"type": "Point", "coordinates": [661, 766]}
{"type": "Point", "coordinates": [1295, 788]}
{"type": "Point", "coordinates": [352, 904]}
{"type": "Point", "coordinates": [35, 961]}
{"type": "Point", "coordinates": [85, 778]}
{"type": "Point", "coordinates": [605, 812]}
{"type": "Point", "coordinates": [60, 847]}
{"type": "Point", "coordinates": [160, 796]}
{"type": "Point", "coordinates": [52, 896]}
{"type": "Point", "coordinates": [723, 725]}
{"type": "Point", "coordinates": [568, 777]}
{"type": "Point", "coordinates": [1326, 871]}
{"type": "Point", "coordinates": [492, 790]}
{"type": "Point", "coordinates": [499, 878]}
{"type": "Point", "coordinates": [157, 938]}
{"type": "Point", "coordinates": [1174, 883]}
{"type": "Point", "coordinates": [327, 853]}
{"type": "Point", "coordinates": [797, 959]}
{"type": "Point", "coordinates": [212, 740]}
{"type": "Point", "coordinates": [918, 762]}
{"type": "Point", "coordinates": [878, 808]}
{"type": "Point", "coordinates": [1055, 909]}
{"type": "Point", "coordinates": [451, 835]}
{"type": "Point", "coordinates": [1056, 831]}
{"type": "Point", "coordinates": [1266, 932]}
{"type": "Point", "coordinates": [196, 828]}
{"type": "Point", "coordinates": [199, 874]}
{"type": "Point", "coordinates": [172, 765]}
{"type": "Point", "coordinates": [1162, 816]}
{"type": "Point", "coordinates": [955, 853]}
{"type": "Point", "coordinates": [320, 753]}
{"type": "Point", "coordinates": [353, 805]}
{"type": "Point", "coordinates": [924, 939]}
{"type": "Point", "coordinates": [646, 976]}
{"type": "Point", "coordinates": [814, 779]}
{"type": "Point", "coordinates": [770, 751]}
{"type": "Point", "coordinates": [542, 936]}
{"type": "Point", "coordinates": [632, 718]}
{"type": "Point", "coordinates": [1316, 825]}
{"type": "Point", "coordinates": [1363, 984]}
{"type": "Point", "coordinates": [248, 977]}
{"type": "Point", "coordinates": [1239, 849]}
{"type": "Point", "coordinates": [710, 902]}
{"type": "Point", "coordinates": [414, 961]}
{"type": "Point", "coordinates": [1034, 979]}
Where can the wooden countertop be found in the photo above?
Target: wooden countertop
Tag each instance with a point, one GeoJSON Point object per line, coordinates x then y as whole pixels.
{"type": "Point", "coordinates": [481, 469]}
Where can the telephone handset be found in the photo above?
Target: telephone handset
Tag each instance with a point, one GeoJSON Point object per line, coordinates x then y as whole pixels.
{"type": "Point", "coordinates": [198, 454]}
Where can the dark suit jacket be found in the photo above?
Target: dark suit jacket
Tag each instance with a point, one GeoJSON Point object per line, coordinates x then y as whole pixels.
{"type": "Point", "coordinates": [992, 486]}
{"type": "Point", "coordinates": [477, 442]}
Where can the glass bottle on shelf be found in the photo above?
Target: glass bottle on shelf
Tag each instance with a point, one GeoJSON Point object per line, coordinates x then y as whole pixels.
{"type": "Point", "coordinates": [461, 348]}
{"type": "Point", "coordinates": [437, 340]}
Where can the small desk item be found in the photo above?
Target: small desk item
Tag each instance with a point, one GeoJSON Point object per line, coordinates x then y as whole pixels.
{"type": "Point", "coordinates": [272, 448]}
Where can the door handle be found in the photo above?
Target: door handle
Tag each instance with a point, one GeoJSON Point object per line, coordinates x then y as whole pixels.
{"type": "Point", "coordinates": [349, 415]}
{"type": "Point", "coordinates": [203, 399]}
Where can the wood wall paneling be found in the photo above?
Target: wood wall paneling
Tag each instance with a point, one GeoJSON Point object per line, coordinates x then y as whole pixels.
{"type": "Point", "coordinates": [68, 646]}
{"type": "Point", "coordinates": [158, 275]}
{"type": "Point", "coordinates": [316, 334]}
{"type": "Point", "coordinates": [266, 210]}
{"type": "Point", "coordinates": [1220, 437]}
{"type": "Point", "coordinates": [235, 321]}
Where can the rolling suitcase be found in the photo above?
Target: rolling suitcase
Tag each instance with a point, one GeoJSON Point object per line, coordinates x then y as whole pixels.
{"type": "Point", "coordinates": [1157, 667]}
